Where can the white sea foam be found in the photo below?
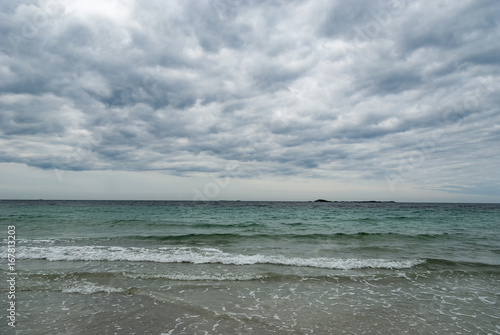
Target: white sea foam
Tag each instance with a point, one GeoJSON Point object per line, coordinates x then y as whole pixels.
{"type": "Point", "coordinates": [90, 288]}
{"type": "Point", "coordinates": [200, 256]}
{"type": "Point", "coordinates": [20, 241]}
{"type": "Point", "coordinates": [194, 277]}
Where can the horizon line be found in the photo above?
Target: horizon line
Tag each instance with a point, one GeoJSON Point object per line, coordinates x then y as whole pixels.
{"type": "Point", "coordinates": [237, 200]}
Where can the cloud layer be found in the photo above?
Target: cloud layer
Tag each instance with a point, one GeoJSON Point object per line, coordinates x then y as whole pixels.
{"type": "Point", "coordinates": [392, 91]}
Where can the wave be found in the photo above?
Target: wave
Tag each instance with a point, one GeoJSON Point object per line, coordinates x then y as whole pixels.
{"type": "Point", "coordinates": [218, 238]}
{"type": "Point", "coordinates": [202, 256]}
{"type": "Point", "coordinates": [466, 265]}
{"type": "Point", "coordinates": [198, 277]}
{"type": "Point", "coordinates": [231, 237]}
{"type": "Point", "coordinates": [286, 236]}
{"type": "Point", "coordinates": [90, 288]}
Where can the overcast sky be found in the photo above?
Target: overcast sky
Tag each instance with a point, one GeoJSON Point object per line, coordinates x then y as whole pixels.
{"type": "Point", "coordinates": [251, 100]}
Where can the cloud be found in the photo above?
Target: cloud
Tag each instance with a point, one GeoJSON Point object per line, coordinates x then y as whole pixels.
{"type": "Point", "coordinates": [393, 91]}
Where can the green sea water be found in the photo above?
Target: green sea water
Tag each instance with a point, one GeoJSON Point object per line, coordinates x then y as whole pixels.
{"type": "Point", "coordinates": [139, 267]}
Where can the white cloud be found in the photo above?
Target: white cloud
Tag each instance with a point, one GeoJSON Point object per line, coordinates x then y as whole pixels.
{"type": "Point", "coordinates": [392, 92]}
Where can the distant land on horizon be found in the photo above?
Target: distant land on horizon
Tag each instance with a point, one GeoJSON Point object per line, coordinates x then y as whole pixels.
{"type": "Point", "coordinates": [357, 201]}
{"type": "Point", "coordinates": [221, 200]}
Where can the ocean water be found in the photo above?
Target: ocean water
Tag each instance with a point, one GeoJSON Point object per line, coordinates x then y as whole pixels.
{"type": "Point", "coordinates": [139, 267]}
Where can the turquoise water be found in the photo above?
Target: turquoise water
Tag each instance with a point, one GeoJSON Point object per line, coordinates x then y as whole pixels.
{"type": "Point", "coordinates": [254, 267]}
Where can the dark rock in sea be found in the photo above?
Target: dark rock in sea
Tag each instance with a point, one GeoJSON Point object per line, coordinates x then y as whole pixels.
{"type": "Point", "coordinates": [321, 200]}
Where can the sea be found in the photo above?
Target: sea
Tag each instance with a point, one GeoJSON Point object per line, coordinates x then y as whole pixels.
{"type": "Point", "coordinates": [237, 267]}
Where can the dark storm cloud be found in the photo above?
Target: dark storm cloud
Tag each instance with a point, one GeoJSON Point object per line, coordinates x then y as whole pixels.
{"type": "Point", "coordinates": [396, 90]}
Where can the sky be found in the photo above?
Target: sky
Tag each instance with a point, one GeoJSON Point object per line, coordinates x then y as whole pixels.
{"type": "Point", "coordinates": [250, 100]}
